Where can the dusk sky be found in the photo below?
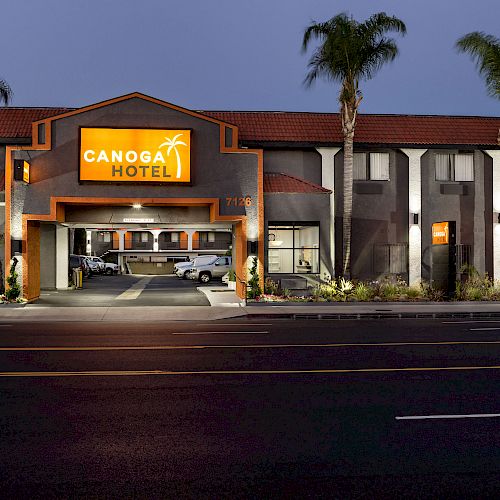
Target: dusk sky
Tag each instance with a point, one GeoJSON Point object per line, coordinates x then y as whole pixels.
{"type": "Point", "coordinates": [234, 54]}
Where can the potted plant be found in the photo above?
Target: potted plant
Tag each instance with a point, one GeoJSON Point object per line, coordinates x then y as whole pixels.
{"type": "Point", "coordinates": [231, 283]}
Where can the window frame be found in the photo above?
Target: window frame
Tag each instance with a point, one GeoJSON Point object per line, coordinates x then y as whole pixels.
{"type": "Point", "coordinates": [451, 166]}
{"type": "Point", "coordinates": [295, 249]}
{"type": "Point", "coordinates": [368, 166]}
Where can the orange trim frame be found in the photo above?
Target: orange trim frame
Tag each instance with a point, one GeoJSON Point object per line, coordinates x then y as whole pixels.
{"type": "Point", "coordinates": [57, 203]}
{"type": "Point", "coordinates": [31, 272]}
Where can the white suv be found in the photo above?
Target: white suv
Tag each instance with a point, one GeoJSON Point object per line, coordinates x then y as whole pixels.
{"type": "Point", "coordinates": [181, 269]}
{"type": "Point", "coordinates": [106, 267]}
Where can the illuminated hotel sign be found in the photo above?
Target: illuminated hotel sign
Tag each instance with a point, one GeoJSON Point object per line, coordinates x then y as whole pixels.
{"type": "Point", "coordinates": [135, 155]}
{"type": "Point", "coordinates": [440, 233]}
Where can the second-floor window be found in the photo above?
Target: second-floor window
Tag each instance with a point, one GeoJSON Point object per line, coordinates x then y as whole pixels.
{"type": "Point", "coordinates": [371, 167]}
{"type": "Point", "coordinates": [454, 167]}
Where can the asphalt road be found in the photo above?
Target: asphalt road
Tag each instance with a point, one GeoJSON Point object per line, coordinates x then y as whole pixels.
{"type": "Point", "coordinates": [250, 409]}
{"type": "Point", "coordinates": [110, 291]}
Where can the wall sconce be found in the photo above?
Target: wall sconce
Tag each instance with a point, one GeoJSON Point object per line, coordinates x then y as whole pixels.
{"type": "Point", "coordinates": [415, 219]}
{"type": "Point", "coordinates": [496, 217]}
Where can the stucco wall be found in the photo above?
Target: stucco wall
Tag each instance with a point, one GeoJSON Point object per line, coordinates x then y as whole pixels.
{"type": "Point", "coordinates": [305, 164]}
{"type": "Point", "coordinates": [282, 207]}
{"type": "Point", "coordinates": [462, 202]}
{"type": "Point", "coordinates": [213, 174]}
{"type": "Point", "coordinates": [47, 256]}
{"type": "Point", "coordinates": [380, 214]}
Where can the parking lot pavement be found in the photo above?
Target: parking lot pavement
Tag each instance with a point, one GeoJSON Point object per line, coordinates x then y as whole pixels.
{"type": "Point", "coordinates": [126, 291]}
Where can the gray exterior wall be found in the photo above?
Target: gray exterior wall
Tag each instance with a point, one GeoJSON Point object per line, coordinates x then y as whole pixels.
{"type": "Point", "coordinates": [297, 207]}
{"type": "Point", "coordinates": [305, 164]}
{"type": "Point", "coordinates": [462, 202]}
{"type": "Point", "coordinates": [55, 172]}
{"type": "Point", "coordinates": [47, 256]}
{"type": "Point", "coordinates": [380, 214]}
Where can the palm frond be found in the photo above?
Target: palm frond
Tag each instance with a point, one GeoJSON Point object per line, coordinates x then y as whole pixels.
{"type": "Point", "coordinates": [5, 92]}
{"type": "Point", "coordinates": [485, 52]}
{"type": "Point", "coordinates": [350, 51]}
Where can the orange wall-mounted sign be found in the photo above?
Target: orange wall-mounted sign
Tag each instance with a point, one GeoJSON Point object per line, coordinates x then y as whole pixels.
{"type": "Point", "coordinates": [440, 233]}
{"type": "Point", "coordinates": [135, 155]}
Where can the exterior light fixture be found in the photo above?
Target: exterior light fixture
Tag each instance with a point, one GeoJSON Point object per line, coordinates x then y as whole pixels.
{"type": "Point", "coordinates": [415, 219]}
{"type": "Point", "coordinates": [137, 205]}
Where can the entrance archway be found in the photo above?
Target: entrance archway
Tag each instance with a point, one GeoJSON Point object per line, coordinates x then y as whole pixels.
{"type": "Point", "coordinates": [31, 232]}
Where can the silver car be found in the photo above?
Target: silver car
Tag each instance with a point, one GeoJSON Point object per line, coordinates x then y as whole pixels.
{"type": "Point", "coordinates": [181, 269]}
{"type": "Point", "coordinates": [216, 268]}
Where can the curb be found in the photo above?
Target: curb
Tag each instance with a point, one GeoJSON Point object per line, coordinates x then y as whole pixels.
{"type": "Point", "coordinates": [360, 316]}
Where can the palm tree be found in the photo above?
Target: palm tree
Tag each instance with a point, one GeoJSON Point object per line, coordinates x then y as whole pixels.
{"type": "Point", "coordinates": [485, 51]}
{"type": "Point", "coordinates": [5, 92]}
{"type": "Point", "coordinates": [350, 51]}
{"type": "Point", "coordinates": [172, 144]}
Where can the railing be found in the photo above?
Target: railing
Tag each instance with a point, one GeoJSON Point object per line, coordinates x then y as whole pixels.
{"type": "Point", "coordinates": [390, 258]}
{"type": "Point", "coordinates": [464, 256]}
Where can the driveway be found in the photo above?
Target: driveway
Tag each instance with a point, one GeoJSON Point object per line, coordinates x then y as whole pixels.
{"type": "Point", "coordinates": [126, 291]}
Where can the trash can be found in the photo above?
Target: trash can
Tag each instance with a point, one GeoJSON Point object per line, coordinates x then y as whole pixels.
{"type": "Point", "coordinates": [77, 277]}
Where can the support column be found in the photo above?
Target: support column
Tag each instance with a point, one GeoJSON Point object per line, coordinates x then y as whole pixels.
{"type": "Point", "coordinates": [156, 233]}
{"type": "Point", "coordinates": [62, 257]}
{"type": "Point", "coordinates": [414, 211]}
{"type": "Point", "coordinates": [495, 154]}
{"type": "Point", "coordinates": [328, 182]}
{"type": "Point", "coordinates": [88, 246]}
{"type": "Point", "coordinates": [121, 246]}
{"type": "Point", "coordinates": [190, 233]}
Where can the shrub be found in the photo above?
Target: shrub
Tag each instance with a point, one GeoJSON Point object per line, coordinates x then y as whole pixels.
{"type": "Point", "coordinates": [270, 287]}
{"type": "Point", "coordinates": [14, 290]}
{"type": "Point", "coordinates": [363, 292]}
{"type": "Point", "coordinates": [254, 282]}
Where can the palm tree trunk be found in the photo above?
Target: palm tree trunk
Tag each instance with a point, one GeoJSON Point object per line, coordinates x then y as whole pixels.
{"type": "Point", "coordinates": [347, 215]}
{"type": "Point", "coordinates": [348, 125]}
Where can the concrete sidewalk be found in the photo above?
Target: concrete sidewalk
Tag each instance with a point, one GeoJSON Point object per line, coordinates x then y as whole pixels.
{"type": "Point", "coordinates": [370, 310]}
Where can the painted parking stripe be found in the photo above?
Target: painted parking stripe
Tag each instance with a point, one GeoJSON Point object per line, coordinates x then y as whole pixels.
{"type": "Point", "coordinates": [483, 329]}
{"type": "Point", "coordinates": [125, 373]}
{"type": "Point", "coordinates": [135, 290]}
{"type": "Point", "coordinates": [430, 417]}
{"type": "Point", "coordinates": [222, 332]}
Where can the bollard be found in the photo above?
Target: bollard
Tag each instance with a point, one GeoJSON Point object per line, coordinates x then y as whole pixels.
{"type": "Point", "coordinates": [77, 278]}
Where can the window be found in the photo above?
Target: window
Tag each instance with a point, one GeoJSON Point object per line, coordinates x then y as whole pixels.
{"type": "Point", "coordinates": [371, 166]}
{"type": "Point", "coordinates": [455, 167]}
{"type": "Point", "coordinates": [293, 248]}
{"type": "Point", "coordinates": [104, 237]}
{"type": "Point", "coordinates": [140, 236]}
{"type": "Point", "coordinates": [390, 259]}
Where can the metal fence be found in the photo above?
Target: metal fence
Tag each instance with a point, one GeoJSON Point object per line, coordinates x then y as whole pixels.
{"type": "Point", "coordinates": [390, 259]}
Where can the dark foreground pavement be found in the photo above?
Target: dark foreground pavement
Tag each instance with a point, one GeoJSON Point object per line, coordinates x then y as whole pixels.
{"type": "Point", "coordinates": [108, 291]}
{"type": "Point", "coordinates": [250, 409]}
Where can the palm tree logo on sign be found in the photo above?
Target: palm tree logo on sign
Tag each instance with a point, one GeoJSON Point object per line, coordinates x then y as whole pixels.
{"type": "Point", "coordinates": [172, 144]}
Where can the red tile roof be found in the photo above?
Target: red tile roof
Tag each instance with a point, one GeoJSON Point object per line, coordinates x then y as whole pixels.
{"type": "Point", "coordinates": [16, 122]}
{"type": "Point", "coordinates": [285, 183]}
{"type": "Point", "coordinates": [377, 129]}
{"type": "Point", "coordinates": [313, 128]}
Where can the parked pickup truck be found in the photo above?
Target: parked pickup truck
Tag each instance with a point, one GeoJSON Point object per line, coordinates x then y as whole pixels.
{"type": "Point", "coordinates": [181, 269]}
{"type": "Point", "coordinates": [216, 268]}
{"type": "Point", "coordinates": [106, 267]}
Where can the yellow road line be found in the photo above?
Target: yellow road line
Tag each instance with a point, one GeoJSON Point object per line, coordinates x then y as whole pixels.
{"type": "Point", "coordinates": [243, 346]}
{"type": "Point", "coordinates": [240, 372]}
